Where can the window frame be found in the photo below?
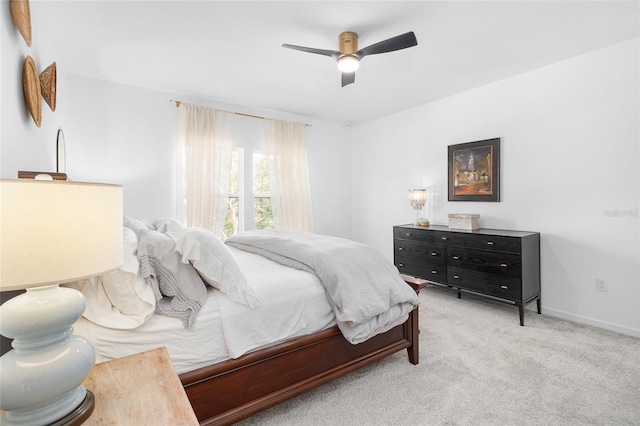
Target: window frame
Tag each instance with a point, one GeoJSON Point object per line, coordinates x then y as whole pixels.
{"type": "Point", "coordinates": [246, 195]}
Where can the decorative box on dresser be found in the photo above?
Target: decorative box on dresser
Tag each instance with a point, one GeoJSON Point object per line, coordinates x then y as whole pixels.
{"type": "Point", "coordinates": [500, 264]}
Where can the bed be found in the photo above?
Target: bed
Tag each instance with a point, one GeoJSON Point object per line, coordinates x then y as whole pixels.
{"type": "Point", "coordinates": [230, 367]}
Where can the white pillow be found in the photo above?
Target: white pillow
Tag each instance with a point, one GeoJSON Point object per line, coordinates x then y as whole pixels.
{"type": "Point", "coordinates": [121, 298]}
{"type": "Point", "coordinates": [166, 225]}
{"type": "Point", "coordinates": [135, 224]}
{"type": "Point", "coordinates": [215, 264]}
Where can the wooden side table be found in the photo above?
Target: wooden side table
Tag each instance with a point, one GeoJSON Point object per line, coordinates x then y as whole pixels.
{"type": "Point", "coordinates": [140, 389]}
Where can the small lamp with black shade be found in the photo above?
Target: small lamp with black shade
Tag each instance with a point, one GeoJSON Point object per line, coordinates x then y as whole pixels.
{"type": "Point", "coordinates": [418, 198]}
{"type": "Point", "coordinates": [51, 232]}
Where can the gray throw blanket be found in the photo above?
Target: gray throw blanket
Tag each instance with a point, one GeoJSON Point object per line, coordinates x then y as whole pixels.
{"type": "Point", "coordinates": [178, 288]}
{"type": "Point", "coordinates": [364, 288]}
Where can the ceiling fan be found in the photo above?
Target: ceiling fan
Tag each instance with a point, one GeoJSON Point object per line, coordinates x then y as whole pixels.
{"type": "Point", "coordinates": [348, 55]}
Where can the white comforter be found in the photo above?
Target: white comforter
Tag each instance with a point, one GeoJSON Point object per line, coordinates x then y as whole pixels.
{"type": "Point", "coordinates": [364, 289]}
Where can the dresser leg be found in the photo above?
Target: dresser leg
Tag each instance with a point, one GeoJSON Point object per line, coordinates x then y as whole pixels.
{"type": "Point", "coordinates": [459, 294]}
{"type": "Point", "coordinates": [538, 303]}
{"type": "Point", "coordinates": [521, 307]}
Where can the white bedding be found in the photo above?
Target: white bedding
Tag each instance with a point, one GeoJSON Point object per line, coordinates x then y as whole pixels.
{"type": "Point", "coordinates": [292, 303]}
{"type": "Point", "coordinates": [365, 289]}
{"type": "Point", "coordinates": [189, 348]}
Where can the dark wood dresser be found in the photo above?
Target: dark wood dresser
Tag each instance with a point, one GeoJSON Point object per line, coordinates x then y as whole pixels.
{"type": "Point", "coordinates": [501, 264]}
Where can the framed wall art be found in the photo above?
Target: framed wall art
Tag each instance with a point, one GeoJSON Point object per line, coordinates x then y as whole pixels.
{"type": "Point", "coordinates": [474, 171]}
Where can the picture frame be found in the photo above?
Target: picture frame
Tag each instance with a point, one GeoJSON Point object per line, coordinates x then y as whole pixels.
{"type": "Point", "coordinates": [474, 171]}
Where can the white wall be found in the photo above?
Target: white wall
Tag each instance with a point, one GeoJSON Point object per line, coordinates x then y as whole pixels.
{"type": "Point", "coordinates": [124, 135]}
{"type": "Point", "coordinates": [23, 145]}
{"type": "Point", "coordinates": [570, 160]}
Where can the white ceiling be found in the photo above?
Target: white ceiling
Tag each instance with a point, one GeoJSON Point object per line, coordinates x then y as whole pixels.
{"type": "Point", "coordinates": [230, 51]}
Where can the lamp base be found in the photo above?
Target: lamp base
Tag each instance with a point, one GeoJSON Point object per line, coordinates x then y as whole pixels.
{"type": "Point", "coordinates": [80, 414]}
{"type": "Point", "coordinates": [42, 376]}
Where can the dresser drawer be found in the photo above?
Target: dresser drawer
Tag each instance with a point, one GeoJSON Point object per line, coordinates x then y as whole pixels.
{"type": "Point", "coordinates": [436, 274]}
{"type": "Point", "coordinates": [505, 289]}
{"type": "Point", "coordinates": [486, 242]}
{"type": "Point", "coordinates": [426, 269]}
{"type": "Point", "coordinates": [422, 251]}
{"type": "Point", "coordinates": [490, 262]}
{"type": "Point", "coordinates": [494, 285]}
{"type": "Point", "coordinates": [420, 235]}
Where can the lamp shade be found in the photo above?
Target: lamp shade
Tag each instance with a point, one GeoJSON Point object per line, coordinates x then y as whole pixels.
{"type": "Point", "coordinates": [53, 232]}
{"type": "Point", "coordinates": [418, 197]}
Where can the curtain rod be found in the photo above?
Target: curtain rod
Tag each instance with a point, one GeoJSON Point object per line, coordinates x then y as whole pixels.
{"type": "Point", "coordinates": [238, 113]}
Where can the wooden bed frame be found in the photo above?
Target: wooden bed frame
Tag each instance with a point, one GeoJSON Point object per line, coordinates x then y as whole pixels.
{"type": "Point", "coordinates": [229, 391]}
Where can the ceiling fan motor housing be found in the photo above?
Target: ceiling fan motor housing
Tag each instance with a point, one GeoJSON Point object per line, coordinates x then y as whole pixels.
{"type": "Point", "coordinates": [348, 42]}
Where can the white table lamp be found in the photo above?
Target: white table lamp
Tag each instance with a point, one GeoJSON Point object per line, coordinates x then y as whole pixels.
{"type": "Point", "coordinates": [51, 232]}
{"type": "Point", "coordinates": [418, 198]}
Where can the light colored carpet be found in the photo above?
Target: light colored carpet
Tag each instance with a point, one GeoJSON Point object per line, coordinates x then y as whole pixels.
{"type": "Point", "coordinates": [478, 366]}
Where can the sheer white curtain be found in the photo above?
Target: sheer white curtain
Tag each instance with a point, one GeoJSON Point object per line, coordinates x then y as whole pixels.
{"type": "Point", "coordinates": [288, 175]}
{"type": "Point", "coordinates": [204, 154]}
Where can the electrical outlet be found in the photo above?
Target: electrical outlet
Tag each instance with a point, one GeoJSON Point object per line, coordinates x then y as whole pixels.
{"type": "Point", "coordinates": [602, 284]}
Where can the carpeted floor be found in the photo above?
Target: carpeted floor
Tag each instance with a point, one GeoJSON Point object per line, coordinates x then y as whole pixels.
{"type": "Point", "coordinates": [478, 366]}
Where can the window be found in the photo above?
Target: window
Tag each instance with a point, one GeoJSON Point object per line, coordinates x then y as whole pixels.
{"type": "Point", "coordinates": [252, 211]}
{"type": "Point", "coordinates": [262, 212]}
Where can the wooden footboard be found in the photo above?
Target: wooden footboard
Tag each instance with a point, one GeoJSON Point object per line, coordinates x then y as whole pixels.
{"type": "Point", "coordinates": [230, 391]}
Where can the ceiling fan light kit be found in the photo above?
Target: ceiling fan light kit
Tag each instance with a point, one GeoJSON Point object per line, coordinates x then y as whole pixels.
{"type": "Point", "coordinates": [348, 55]}
{"type": "Point", "coordinates": [348, 63]}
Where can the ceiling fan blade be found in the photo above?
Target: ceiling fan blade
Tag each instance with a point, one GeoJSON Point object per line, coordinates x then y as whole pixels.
{"type": "Point", "coordinates": [348, 78]}
{"type": "Point", "coordinates": [394, 43]}
{"type": "Point", "coordinates": [331, 53]}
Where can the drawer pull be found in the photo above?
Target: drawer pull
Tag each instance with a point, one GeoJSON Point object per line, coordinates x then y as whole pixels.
{"type": "Point", "coordinates": [400, 265]}
{"type": "Point", "coordinates": [444, 238]}
{"type": "Point", "coordinates": [456, 277]}
{"type": "Point", "coordinates": [434, 272]}
{"type": "Point", "coordinates": [504, 265]}
{"type": "Point", "coordinates": [504, 287]}
{"type": "Point", "coordinates": [400, 248]}
{"type": "Point", "coordinates": [455, 258]}
{"type": "Point", "coordinates": [433, 253]}
{"type": "Point", "coordinates": [408, 234]}
{"type": "Point", "coordinates": [489, 243]}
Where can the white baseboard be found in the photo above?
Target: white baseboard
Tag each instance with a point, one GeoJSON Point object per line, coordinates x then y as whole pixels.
{"type": "Point", "coordinates": [593, 322]}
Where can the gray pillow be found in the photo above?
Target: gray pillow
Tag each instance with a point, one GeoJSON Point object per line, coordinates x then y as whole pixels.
{"type": "Point", "coordinates": [215, 263]}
